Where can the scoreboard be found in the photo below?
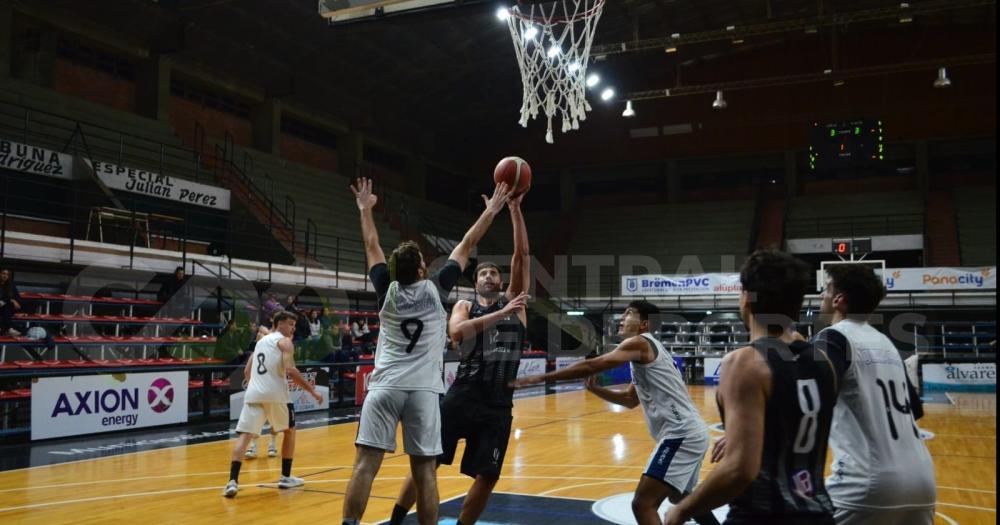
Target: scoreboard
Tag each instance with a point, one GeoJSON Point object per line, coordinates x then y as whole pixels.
{"type": "Point", "coordinates": [846, 144]}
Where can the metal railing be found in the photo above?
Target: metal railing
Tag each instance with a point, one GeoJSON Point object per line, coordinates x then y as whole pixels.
{"type": "Point", "coordinates": [854, 226]}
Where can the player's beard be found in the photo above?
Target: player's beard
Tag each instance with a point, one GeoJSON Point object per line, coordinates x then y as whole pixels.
{"type": "Point", "coordinates": [490, 293]}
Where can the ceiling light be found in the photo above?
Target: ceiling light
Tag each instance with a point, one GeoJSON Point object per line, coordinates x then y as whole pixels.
{"type": "Point", "coordinates": [608, 94]}
{"type": "Point", "coordinates": [593, 80]}
{"type": "Point", "coordinates": [629, 110]}
{"type": "Point", "coordinates": [574, 67]}
{"type": "Point", "coordinates": [720, 103]}
{"type": "Point", "coordinates": [671, 49]}
{"type": "Point", "coordinates": [838, 83]}
{"type": "Point", "coordinates": [811, 30]}
{"type": "Point", "coordinates": [942, 79]}
{"type": "Point", "coordinates": [531, 33]}
{"type": "Point", "coordinates": [554, 51]}
{"type": "Point", "coordinates": [503, 14]}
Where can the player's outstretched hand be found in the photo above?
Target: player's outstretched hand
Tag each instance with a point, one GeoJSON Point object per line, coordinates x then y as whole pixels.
{"type": "Point", "coordinates": [363, 194]}
{"type": "Point", "coordinates": [501, 195]}
{"type": "Point", "coordinates": [515, 202]}
{"type": "Point", "coordinates": [517, 304]}
{"type": "Point", "coordinates": [719, 450]}
{"type": "Point", "coordinates": [316, 395]}
{"type": "Point", "coordinates": [673, 518]}
{"type": "Point", "coordinates": [590, 383]}
{"type": "Point", "coordinates": [528, 381]}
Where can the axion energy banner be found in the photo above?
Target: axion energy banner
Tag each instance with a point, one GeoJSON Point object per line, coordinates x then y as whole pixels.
{"type": "Point", "coordinates": [79, 405]}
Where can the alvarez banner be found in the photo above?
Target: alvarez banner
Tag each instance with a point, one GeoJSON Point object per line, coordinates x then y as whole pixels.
{"type": "Point", "coordinates": [160, 186]}
{"type": "Point", "coordinates": [78, 405]}
{"type": "Point", "coordinates": [965, 377]}
{"type": "Point", "coordinates": [30, 159]}
{"type": "Point", "coordinates": [705, 284]}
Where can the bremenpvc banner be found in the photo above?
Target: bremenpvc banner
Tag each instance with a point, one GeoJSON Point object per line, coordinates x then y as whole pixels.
{"type": "Point", "coordinates": [78, 405]}
{"type": "Point", "coordinates": [39, 161]}
{"type": "Point", "coordinates": [161, 186]}
{"type": "Point", "coordinates": [704, 284]}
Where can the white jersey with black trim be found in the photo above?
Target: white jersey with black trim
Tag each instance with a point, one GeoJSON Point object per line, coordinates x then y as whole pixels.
{"type": "Point", "coordinates": [879, 460]}
{"type": "Point", "coordinates": [267, 372]}
{"type": "Point", "coordinates": [412, 339]}
{"type": "Point", "coordinates": [666, 403]}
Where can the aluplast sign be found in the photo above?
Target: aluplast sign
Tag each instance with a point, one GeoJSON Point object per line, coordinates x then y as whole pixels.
{"type": "Point", "coordinates": [78, 405]}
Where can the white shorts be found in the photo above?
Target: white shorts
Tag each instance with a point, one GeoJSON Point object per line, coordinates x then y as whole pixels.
{"type": "Point", "coordinates": [904, 516]}
{"type": "Point", "coordinates": [419, 411]}
{"type": "Point", "coordinates": [253, 416]}
{"type": "Point", "coordinates": [676, 461]}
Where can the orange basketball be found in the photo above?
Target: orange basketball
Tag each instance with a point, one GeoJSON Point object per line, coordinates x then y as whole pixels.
{"type": "Point", "coordinates": [516, 172]}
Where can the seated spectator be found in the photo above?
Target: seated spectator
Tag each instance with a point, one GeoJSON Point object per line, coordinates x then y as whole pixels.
{"type": "Point", "coordinates": [315, 325]}
{"type": "Point", "coordinates": [10, 302]}
{"type": "Point", "coordinates": [271, 307]}
{"type": "Point", "coordinates": [176, 298]}
{"type": "Point", "coordinates": [327, 318]}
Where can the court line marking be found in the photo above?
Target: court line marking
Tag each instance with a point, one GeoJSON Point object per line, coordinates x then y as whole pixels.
{"type": "Point", "coordinates": [538, 495]}
{"type": "Point", "coordinates": [217, 487]}
{"type": "Point", "coordinates": [608, 482]}
{"type": "Point", "coordinates": [947, 519]}
{"type": "Point", "coordinates": [967, 490]}
{"type": "Point", "coordinates": [986, 509]}
{"type": "Point", "coordinates": [215, 442]}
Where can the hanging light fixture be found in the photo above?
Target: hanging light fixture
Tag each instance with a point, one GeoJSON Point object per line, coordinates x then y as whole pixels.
{"type": "Point", "coordinates": [720, 103]}
{"type": "Point", "coordinates": [942, 79]}
{"type": "Point", "coordinates": [629, 110]}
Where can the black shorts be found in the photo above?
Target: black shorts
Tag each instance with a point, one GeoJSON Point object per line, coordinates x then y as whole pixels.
{"type": "Point", "coordinates": [485, 429]}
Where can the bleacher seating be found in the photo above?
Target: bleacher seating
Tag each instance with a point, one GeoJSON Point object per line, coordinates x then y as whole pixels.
{"type": "Point", "coordinates": [863, 214]}
{"type": "Point", "coordinates": [109, 133]}
{"type": "Point", "coordinates": [322, 196]}
{"type": "Point", "coordinates": [976, 209]}
{"type": "Point", "coordinates": [682, 238]}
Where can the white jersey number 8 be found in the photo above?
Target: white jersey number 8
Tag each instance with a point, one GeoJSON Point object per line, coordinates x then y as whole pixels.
{"type": "Point", "coordinates": [809, 403]}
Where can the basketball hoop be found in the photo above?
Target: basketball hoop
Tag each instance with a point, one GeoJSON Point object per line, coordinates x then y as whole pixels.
{"type": "Point", "coordinates": [552, 42]}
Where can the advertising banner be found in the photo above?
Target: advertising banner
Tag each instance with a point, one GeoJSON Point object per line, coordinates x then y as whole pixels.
{"type": "Point", "coordinates": [941, 279]}
{"type": "Point", "coordinates": [712, 368]}
{"type": "Point", "coordinates": [662, 285]}
{"type": "Point", "coordinates": [79, 405]}
{"type": "Point", "coordinates": [962, 377]}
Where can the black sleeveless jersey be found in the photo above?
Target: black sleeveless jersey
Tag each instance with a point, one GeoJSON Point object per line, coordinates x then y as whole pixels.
{"type": "Point", "coordinates": [489, 367]}
{"type": "Point", "coordinates": [789, 487]}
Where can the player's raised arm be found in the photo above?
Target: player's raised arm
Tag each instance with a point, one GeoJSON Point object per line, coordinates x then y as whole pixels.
{"type": "Point", "coordinates": [366, 201]}
{"type": "Point", "coordinates": [494, 205]}
{"type": "Point", "coordinates": [520, 262]}
{"type": "Point", "coordinates": [632, 349]}
{"type": "Point", "coordinates": [461, 327]}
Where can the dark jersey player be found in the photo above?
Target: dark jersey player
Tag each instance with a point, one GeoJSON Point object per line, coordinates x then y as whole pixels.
{"type": "Point", "coordinates": [776, 399]}
{"type": "Point", "coordinates": [477, 408]}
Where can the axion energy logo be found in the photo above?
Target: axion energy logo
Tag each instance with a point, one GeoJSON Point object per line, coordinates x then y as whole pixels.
{"type": "Point", "coordinates": [78, 405]}
{"type": "Point", "coordinates": [160, 395]}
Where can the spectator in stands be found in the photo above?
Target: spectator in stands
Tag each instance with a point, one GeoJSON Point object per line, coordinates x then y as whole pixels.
{"type": "Point", "coordinates": [302, 319]}
{"type": "Point", "coordinates": [326, 318]}
{"type": "Point", "coordinates": [271, 307]}
{"type": "Point", "coordinates": [315, 325]}
{"type": "Point", "coordinates": [10, 302]}
{"type": "Point", "coordinates": [175, 298]}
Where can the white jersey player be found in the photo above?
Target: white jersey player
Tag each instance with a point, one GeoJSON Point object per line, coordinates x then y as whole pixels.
{"type": "Point", "coordinates": [407, 381]}
{"type": "Point", "coordinates": [674, 423]}
{"type": "Point", "coordinates": [882, 471]}
{"type": "Point", "coordinates": [267, 398]}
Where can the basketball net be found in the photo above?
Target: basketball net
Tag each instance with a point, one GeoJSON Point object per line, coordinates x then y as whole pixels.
{"type": "Point", "coordinates": [552, 43]}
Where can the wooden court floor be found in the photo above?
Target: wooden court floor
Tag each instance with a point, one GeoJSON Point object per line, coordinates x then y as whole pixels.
{"type": "Point", "coordinates": [565, 445]}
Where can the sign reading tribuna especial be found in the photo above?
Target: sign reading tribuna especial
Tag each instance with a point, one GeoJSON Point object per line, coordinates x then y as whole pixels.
{"type": "Point", "coordinates": [30, 159]}
{"type": "Point", "coordinates": [41, 161]}
{"type": "Point", "coordinates": [161, 186]}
